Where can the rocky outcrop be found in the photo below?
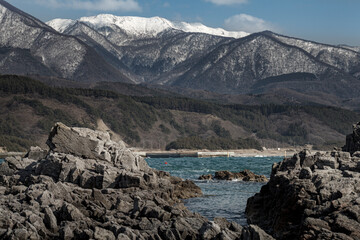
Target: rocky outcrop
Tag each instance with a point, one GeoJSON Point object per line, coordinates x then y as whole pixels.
{"type": "Point", "coordinates": [353, 140]}
{"type": "Point", "coordinates": [310, 196]}
{"type": "Point", "coordinates": [245, 175]}
{"type": "Point", "coordinates": [89, 187]}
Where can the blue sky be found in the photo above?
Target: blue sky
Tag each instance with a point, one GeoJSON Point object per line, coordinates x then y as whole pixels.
{"type": "Point", "coordinates": [327, 21]}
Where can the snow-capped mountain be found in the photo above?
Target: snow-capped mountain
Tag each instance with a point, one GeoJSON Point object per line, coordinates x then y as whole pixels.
{"type": "Point", "coordinates": [168, 56]}
{"type": "Point", "coordinates": [139, 27]}
{"type": "Point", "coordinates": [29, 46]}
{"type": "Point", "coordinates": [160, 52]}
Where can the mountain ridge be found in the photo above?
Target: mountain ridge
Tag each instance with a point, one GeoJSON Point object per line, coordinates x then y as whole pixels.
{"type": "Point", "coordinates": [101, 51]}
{"type": "Point", "coordinates": [64, 55]}
{"type": "Point", "coordinates": [144, 27]}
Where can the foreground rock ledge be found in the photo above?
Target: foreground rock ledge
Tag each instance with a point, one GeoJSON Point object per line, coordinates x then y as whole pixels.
{"type": "Point", "coordinates": [89, 187]}
{"type": "Point", "coordinates": [312, 196]}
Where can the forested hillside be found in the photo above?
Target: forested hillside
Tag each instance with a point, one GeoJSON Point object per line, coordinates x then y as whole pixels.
{"type": "Point", "coordinates": [28, 109]}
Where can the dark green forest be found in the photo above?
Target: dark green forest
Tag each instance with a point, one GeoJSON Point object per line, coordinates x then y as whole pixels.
{"type": "Point", "coordinates": [130, 115]}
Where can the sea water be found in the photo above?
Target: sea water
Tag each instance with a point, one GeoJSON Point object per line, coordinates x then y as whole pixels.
{"type": "Point", "coordinates": [1, 160]}
{"type": "Point", "coordinates": [221, 198]}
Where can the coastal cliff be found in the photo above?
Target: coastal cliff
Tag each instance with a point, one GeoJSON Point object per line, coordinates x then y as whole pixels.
{"type": "Point", "coordinates": [312, 195]}
{"type": "Point", "coordinates": [90, 187]}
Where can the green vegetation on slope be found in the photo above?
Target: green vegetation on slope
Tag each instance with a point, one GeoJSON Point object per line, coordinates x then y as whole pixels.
{"type": "Point", "coordinates": [257, 119]}
{"type": "Point", "coordinates": [136, 118]}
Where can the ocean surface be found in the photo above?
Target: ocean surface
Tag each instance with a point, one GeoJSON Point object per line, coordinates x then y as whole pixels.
{"type": "Point", "coordinates": [221, 198]}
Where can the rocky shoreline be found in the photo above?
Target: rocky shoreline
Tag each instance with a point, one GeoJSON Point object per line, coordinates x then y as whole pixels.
{"type": "Point", "coordinates": [312, 195]}
{"type": "Point", "coordinates": [90, 187]}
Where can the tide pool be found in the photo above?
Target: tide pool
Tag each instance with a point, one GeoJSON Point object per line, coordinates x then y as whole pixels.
{"type": "Point", "coordinates": [221, 198]}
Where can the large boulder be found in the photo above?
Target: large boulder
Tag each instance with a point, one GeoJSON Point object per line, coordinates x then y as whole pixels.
{"type": "Point", "coordinates": [90, 144]}
{"type": "Point", "coordinates": [310, 196]}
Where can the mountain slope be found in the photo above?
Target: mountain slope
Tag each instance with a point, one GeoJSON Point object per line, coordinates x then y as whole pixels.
{"type": "Point", "coordinates": [343, 58]}
{"type": "Point", "coordinates": [240, 65]}
{"type": "Point", "coordinates": [158, 53]}
{"type": "Point", "coordinates": [60, 55]}
{"type": "Point", "coordinates": [142, 59]}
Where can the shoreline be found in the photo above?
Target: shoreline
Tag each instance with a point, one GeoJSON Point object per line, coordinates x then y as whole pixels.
{"type": "Point", "coordinates": [157, 153]}
{"type": "Point", "coordinates": [286, 152]}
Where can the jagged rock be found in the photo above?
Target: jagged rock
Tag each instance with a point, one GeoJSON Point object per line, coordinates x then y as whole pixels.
{"type": "Point", "coordinates": [245, 175]}
{"type": "Point", "coordinates": [86, 143]}
{"type": "Point", "coordinates": [254, 232]}
{"type": "Point", "coordinates": [50, 219]}
{"type": "Point", "coordinates": [310, 196]}
{"type": "Point", "coordinates": [36, 153]}
{"type": "Point", "coordinates": [102, 234]}
{"type": "Point", "coordinates": [353, 140]}
{"type": "Point", "coordinates": [186, 189]}
{"type": "Point", "coordinates": [88, 194]}
{"type": "Point", "coordinates": [5, 169]}
{"type": "Point", "coordinates": [206, 177]}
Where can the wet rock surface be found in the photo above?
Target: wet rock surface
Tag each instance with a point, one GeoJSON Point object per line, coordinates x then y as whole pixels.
{"type": "Point", "coordinates": [245, 175]}
{"type": "Point", "coordinates": [89, 187]}
{"type": "Point", "coordinates": [310, 196]}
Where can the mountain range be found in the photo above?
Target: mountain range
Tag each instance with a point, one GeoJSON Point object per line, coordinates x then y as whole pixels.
{"type": "Point", "coordinates": [161, 53]}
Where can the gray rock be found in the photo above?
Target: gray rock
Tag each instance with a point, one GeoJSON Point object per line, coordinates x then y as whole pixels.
{"type": "Point", "coordinates": [5, 170]}
{"type": "Point", "coordinates": [101, 191]}
{"type": "Point", "coordinates": [102, 234]}
{"type": "Point", "coordinates": [50, 219]}
{"type": "Point", "coordinates": [253, 232]}
{"type": "Point", "coordinates": [36, 153]}
{"type": "Point", "coordinates": [71, 213]}
{"type": "Point", "coordinates": [309, 202]}
{"type": "Point", "coordinates": [305, 173]}
{"type": "Point", "coordinates": [209, 230]}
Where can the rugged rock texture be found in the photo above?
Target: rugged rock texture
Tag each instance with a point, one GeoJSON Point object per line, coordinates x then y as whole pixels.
{"type": "Point", "coordinates": [353, 140]}
{"type": "Point", "coordinates": [310, 196]}
{"type": "Point", "coordinates": [89, 187]}
{"type": "Point", "coordinates": [245, 175]}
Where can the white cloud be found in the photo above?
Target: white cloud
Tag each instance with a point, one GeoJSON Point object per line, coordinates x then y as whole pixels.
{"type": "Point", "coordinates": [101, 5]}
{"type": "Point", "coordinates": [227, 2]}
{"type": "Point", "coordinates": [248, 23]}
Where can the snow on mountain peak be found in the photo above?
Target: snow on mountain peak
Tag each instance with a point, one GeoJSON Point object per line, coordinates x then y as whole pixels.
{"type": "Point", "coordinates": [143, 27]}
{"type": "Point", "coordinates": [133, 26]}
{"type": "Point", "coordinates": [61, 25]}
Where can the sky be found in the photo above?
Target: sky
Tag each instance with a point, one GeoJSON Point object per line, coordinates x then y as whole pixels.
{"type": "Point", "coordinates": [325, 21]}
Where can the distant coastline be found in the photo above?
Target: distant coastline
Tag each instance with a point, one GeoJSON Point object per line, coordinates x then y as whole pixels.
{"type": "Point", "coordinates": [282, 152]}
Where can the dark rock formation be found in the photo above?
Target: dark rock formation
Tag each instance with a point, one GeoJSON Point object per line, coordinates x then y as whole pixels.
{"type": "Point", "coordinates": [89, 187]}
{"type": "Point", "coordinates": [310, 196]}
{"type": "Point", "coordinates": [353, 140]}
{"type": "Point", "coordinates": [206, 177]}
{"type": "Point", "coordinates": [245, 175]}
